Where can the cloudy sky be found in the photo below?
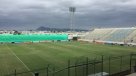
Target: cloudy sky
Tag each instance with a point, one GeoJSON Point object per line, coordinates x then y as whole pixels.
{"type": "Point", "coordinates": [30, 14]}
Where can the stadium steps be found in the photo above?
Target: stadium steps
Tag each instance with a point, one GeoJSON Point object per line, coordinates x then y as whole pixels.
{"type": "Point", "coordinates": [97, 34]}
{"type": "Point", "coordinates": [108, 34]}
{"type": "Point", "coordinates": [119, 35]}
{"type": "Point", "coordinates": [132, 37]}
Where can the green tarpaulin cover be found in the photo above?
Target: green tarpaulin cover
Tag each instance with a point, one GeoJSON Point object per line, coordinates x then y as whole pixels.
{"type": "Point", "coordinates": [32, 37]}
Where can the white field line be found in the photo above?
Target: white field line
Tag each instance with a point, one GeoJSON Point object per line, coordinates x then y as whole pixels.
{"type": "Point", "coordinates": [20, 60]}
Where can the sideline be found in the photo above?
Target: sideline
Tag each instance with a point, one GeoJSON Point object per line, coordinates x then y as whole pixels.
{"type": "Point", "coordinates": [20, 60]}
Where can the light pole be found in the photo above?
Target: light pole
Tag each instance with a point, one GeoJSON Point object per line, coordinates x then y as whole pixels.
{"type": "Point", "coordinates": [72, 11]}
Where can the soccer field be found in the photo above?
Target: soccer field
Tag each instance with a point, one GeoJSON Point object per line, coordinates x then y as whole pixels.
{"type": "Point", "coordinates": [30, 56]}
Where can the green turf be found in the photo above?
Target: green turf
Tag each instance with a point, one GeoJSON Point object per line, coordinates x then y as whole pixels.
{"type": "Point", "coordinates": [39, 55]}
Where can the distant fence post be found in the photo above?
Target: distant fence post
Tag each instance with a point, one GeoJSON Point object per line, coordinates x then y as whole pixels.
{"type": "Point", "coordinates": [135, 61]}
{"type": "Point", "coordinates": [68, 67]}
{"type": "Point", "coordinates": [134, 65]}
{"type": "Point", "coordinates": [83, 68]}
{"type": "Point", "coordinates": [94, 66]}
{"type": "Point", "coordinates": [87, 66]}
{"type": "Point", "coordinates": [15, 72]}
{"type": "Point", "coordinates": [102, 66]}
{"type": "Point", "coordinates": [53, 71]}
{"type": "Point", "coordinates": [130, 62]}
{"type": "Point", "coordinates": [121, 63]}
{"type": "Point", "coordinates": [47, 70]}
{"type": "Point", "coordinates": [109, 65]}
{"type": "Point", "coordinates": [76, 68]}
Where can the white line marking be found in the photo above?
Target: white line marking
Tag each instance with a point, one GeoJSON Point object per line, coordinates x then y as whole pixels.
{"type": "Point", "coordinates": [20, 60]}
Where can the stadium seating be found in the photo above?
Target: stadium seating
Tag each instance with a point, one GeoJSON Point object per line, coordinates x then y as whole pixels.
{"type": "Point", "coordinates": [112, 34]}
{"type": "Point", "coordinates": [97, 34]}
{"type": "Point", "coordinates": [132, 37]}
{"type": "Point", "coordinates": [119, 35]}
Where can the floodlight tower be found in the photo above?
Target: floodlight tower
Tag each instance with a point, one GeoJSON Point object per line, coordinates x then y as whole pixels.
{"type": "Point", "coordinates": [72, 11]}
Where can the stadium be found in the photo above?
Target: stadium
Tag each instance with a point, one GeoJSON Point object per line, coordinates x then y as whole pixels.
{"type": "Point", "coordinates": [53, 38]}
{"type": "Point", "coordinates": [102, 51]}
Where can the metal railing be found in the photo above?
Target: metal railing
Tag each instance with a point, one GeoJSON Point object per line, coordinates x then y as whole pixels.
{"type": "Point", "coordinates": [114, 66]}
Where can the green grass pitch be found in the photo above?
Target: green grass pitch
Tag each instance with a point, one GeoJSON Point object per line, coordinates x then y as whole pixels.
{"type": "Point", "coordinates": [30, 56]}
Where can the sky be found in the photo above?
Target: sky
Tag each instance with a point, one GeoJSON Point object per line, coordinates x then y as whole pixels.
{"type": "Point", "coordinates": [31, 14]}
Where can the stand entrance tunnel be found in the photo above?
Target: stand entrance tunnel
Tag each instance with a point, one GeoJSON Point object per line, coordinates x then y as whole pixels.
{"type": "Point", "coordinates": [9, 38]}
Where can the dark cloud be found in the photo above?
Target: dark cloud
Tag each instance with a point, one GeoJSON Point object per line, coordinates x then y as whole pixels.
{"type": "Point", "coordinates": [30, 14]}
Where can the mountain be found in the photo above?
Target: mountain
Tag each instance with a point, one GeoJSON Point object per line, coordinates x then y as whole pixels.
{"type": "Point", "coordinates": [42, 28]}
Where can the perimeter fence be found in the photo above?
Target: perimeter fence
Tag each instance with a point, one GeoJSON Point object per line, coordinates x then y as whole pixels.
{"type": "Point", "coordinates": [102, 66]}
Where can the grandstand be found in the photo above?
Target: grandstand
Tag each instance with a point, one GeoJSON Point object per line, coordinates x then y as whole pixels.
{"type": "Point", "coordinates": [111, 35]}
